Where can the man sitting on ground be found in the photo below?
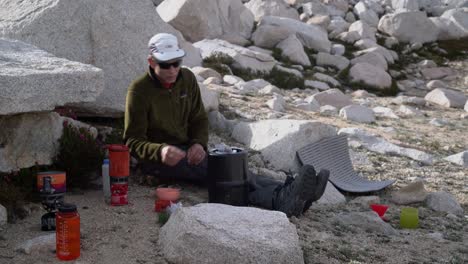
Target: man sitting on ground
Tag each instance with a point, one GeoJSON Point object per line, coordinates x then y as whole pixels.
{"type": "Point", "coordinates": [166, 128]}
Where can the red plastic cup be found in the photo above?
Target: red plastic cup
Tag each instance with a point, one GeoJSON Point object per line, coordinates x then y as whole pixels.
{"type": "Point", "coordinates": [380, 209]}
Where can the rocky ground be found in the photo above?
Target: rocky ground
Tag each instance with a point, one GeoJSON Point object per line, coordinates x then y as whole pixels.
{"type": "Point", "coordinates": [129, 234]}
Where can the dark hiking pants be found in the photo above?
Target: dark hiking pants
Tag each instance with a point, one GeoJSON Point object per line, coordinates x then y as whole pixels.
{"type": "Point", "coordinates": [262, 189]}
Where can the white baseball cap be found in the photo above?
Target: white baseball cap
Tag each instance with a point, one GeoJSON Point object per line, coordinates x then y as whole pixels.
{"type": "Point", "coordinates": [165, 47]}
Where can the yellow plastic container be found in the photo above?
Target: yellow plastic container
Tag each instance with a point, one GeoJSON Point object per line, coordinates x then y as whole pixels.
{"type": "Point", "coordinates": [409, 218]}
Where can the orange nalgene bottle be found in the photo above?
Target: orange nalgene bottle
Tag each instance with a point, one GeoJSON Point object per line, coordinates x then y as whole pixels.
{"type": "Point", "coordinates": [67, 232]}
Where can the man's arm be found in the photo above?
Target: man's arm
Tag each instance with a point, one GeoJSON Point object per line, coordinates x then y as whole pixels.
{"type": "Point", "coordinates": [135, 128]}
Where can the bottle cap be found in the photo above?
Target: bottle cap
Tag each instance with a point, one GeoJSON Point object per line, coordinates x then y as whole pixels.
{"type": "Point", "coordinates": [67, 208]}
{"type": "Point", "coordinates": [106, 161]}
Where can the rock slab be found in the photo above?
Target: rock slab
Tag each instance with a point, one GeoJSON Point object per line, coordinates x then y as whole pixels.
{"type": "Point", "coordinates": [218, 233]}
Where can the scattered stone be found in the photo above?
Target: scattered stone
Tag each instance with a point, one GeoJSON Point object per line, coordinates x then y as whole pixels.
{"type": "Point", "coordinates": [212, 232]}
{"type": "Point", "coordinates": [331, 196]}
{"type": "Point", "coordinates": [206, 73]}
{"type": "Point", "coordinates": [373, 58]}
{"type": "Point", "coordinates": [367, 221]}
{"type": "Point", "coordinates": [366, 14]}
{"type": "Point", "coordinates": [409, 111]}
{"type": "Point", "coordinates": [413, 27]}
{"type": "Point", "coordinates": [436, 84]}
{"type": "Point", "coordinates": [380, 145]}
{"type": "Point", "coordinates": [411, 193]}
{"type": "Point", "coordinates": [252, 86]}
{"type": "Point", "coordinates": [271, 137]}
{"type": "Point", "coordinates": [277, 103]}
{"type": "Point", "coordinates": [3, 215]}
{"type": "Point", "coordinates": [363, 30]}
{"type": "Point", "coordinates": [292, 49]}
{"type": "Point", "coordinates": [446, 98]}
{"type": "Point", "coordinates": [366, 201]}
{"type": "Point", "coordinates": [459, 158]}
{"type": "Point", "coordinates": [231, 79]}
{"type": "Point", "coordinates": [316, 85]}
{"type": "Point", "coordinates": [436, 73]}
{"type": "Point", "coordinates": [325, 59]}
{"type": "Point", "coordinates": [384, 112]}
{"type": "Point", "coordinates": [333, 97]}
{"type": "Point", "coordinates": [438, 122]}
{"type": "Point", "coordinates": [325, 78]}
{"type": "Point", "coordinates": [443, 202]}
{"type": "Point", "coordinates": [270, 89]}
{"type": "Point", "coordinates": [409, 100]}
{"type": "Point", "coordinates": [357, 113]}
{"type": "Point", "coordinates": [328, 110]}
{"type": "Point", "coordinates": [370, 75]}
{"type": "Point", "coordinates": [338, 49]}
{"type": "Point", "coordinates": [44, 243]}
{"type": "Point", "coordinates": [212, 80]}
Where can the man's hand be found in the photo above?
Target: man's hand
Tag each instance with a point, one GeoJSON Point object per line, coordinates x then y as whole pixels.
{"type": "Point", "coordinates": [171, 155]}
{"type": "Point", "coordinates": [195, 154]}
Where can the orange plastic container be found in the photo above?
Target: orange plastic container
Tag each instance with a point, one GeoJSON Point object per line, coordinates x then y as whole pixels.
{"type": "Point", "coordinates": [67, 232]}
{"type": "Point", "coordinates": [119, 159]}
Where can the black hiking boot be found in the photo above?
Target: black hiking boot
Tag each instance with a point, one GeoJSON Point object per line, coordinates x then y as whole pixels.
{"type": "Point", "coordinates": [322, 179]}
{"type": "Point", "coordinates": [296, 192]}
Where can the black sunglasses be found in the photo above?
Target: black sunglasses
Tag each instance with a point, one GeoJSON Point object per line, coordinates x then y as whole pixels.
{"type": "Point", "coordinates": [165, 65]}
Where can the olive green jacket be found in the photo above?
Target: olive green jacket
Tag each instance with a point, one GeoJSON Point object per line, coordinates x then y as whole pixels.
{"type": "Point", "coordinates": [156, 116]}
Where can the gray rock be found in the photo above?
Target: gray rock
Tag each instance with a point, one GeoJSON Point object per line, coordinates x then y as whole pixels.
{"type": "Point", "coordinates": [32, 138]}
{"type": "Point", "coordinates": [44, 243]}
{"type": "Point", "coordinates": [411, 193]}
{"type": "Point", "coordinates": [380, 145]}
{"type": "Point", "coordinates": [373, 58]}
{"type": "Point", "coordinates": [326, 78]}
{"type": "Point", "coordinates": [331, 196]}
{"type": "Point", "coordinates": [32, 80]}
{"type": "Point", "coordinates": [412, 26]}
{"type": "Point", "coordinates": [277, 103]}
{"type": "Point", "coordinates": [409, 100]}
{"type": "Point", "coordinates": [366, 201]}
{"type": "Point", "coordinates": [316, 85]}
{"type": "Point", "coordinates": [209, 19]}
{"type": "Point", "coordinates": [101, 33]}
{"type": "Point", "coordinates": [218, 233]}
{"type": "Point", "coordinates": [366, 14]}
{"type": "Point", "coordinates": [384, 112]}
{"type": "Point", "coordinates": [328, 110]}
{"type": "Point", "coordinates": [311, 36]}
{"type": "Point", "coordinates": [409, 111]}
{"type": "Point", "coordinates": [436, 84]}
{"type": "Point", "coordinates": [357, 113]}
{"type": "Point", "coordinates": [278, 8]}
{"type": "Point", "coordinates": [438, 122]}
{"type": "Point", "coordinates": [292, 48]}
{"type": "Point", "coordinates": [338, 49]}
{"type": "Point", "coordinates": [210, 98]}
{"type": "Point", "coordinates": [333, 97]}
{"type": "Point", "coordinates": [231, 79]}
{"type": "Point", "coordinates": [367, 221]}
{"type": "Point", "coordinates": [244, 58]}
{"type": "Point", "coordinates": [325, 59]}
{"type": "Point", "coordinates": [436, 73]}
{"type": "Point", "coordinates": [206, 73]}
{"type": "Point", "coordinates": [363, 29]}
{"type": "Point", "coordinates": [272, 137]}
{"type": "Point", "coordinates": [3, 215]}
{"type": "Point", "coordinates": [270, 89]}
{"type": "Point", "coordinates": [370, 75]}
{"type": "Point", "coordinates": [459, 158]}
{"type": "Point", "coordinates": [443, 202]}
{"type": "Point", "coordinates": [446, 98]}
{"type": "Point", "coordinates": [466, 106]}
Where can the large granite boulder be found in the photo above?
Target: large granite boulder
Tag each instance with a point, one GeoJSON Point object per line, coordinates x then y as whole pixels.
{"type": "Point", "coordinates": [243, 58]}
{"type": "Point", "coordinates": [30, 139]}
{"type": "Point", "coordinates": [412, 27]}
{"type": "Point", "coordinates": [261, 8]}
{"type": "Point", "coordinates": [370, 75]}
{"type": "Point", "coordinates": [446, 98]}
{"type": "Point", "coordinates": [219, 233]}
{"type": "Point", "coordinates": [311, 36]}
{"type": "Point", "coordinates": [452, 24]}
{"type": "Point", "coordinates": [278, 140]}
{"type": "Point", "coordinates": [200, 19]}
{"type": "Point", "coordinates": [32, 80]}
{"type": "Point", "coordinates": [109, 34]}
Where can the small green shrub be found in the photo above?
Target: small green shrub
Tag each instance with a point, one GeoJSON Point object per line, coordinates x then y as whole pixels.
{"type": "Point", "coordinates": [79, 155]}
{"type": "Point", "coordinates": [219, 62]}
{"type": "Point", "coordinates": [284, 80]}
